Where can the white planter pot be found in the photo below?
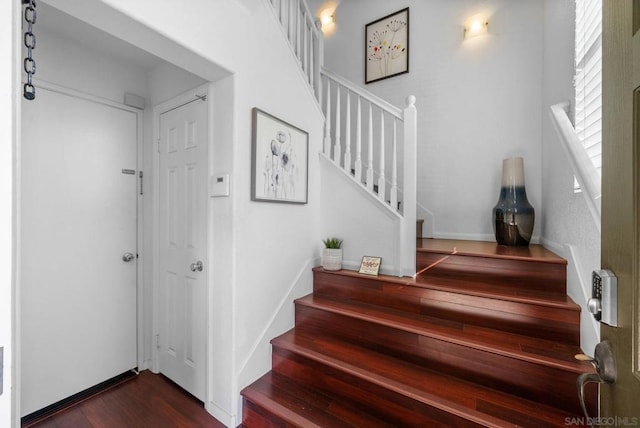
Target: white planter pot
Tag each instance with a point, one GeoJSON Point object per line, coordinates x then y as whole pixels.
{"type": "Point", "coordinates": [332, 258]}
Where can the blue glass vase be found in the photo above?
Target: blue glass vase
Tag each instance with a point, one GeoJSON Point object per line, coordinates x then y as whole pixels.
{"type": "Point", "coordinates": [513, 215]}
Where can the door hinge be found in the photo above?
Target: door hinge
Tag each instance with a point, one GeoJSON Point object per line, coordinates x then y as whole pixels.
{"type": "Point", "coordinates": [141, 183]}
{"type": "Point", "coordinates": [157, 341]}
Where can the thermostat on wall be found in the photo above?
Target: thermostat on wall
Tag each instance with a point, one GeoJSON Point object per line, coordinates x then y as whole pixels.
{"type": "Point", "coordinates": [219, 185]}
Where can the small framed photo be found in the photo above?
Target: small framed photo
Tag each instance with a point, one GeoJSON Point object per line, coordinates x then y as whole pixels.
{"type": "Point", "coordinates": [370, 265]}
{"type": "Point", "coordinates": [279, 160]}
{"type": "Point", "coordinates": [387, 46]}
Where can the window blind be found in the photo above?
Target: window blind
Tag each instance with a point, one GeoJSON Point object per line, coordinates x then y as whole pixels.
{"type": "Point", "coordinates": [588, 78]}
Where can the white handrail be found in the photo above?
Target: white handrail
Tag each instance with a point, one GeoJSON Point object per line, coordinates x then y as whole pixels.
{"type": "Point", "coordinates": [586, 173]}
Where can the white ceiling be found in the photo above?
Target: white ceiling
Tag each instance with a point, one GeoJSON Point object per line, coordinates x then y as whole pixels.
{"type": "Point", "coordinates": [72, 28]}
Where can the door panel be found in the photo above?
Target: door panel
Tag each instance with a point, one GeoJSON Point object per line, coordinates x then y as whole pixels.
{"type": "Point", "coordinates": [77, 295]}
{"type": "Point", "coordinates": [620, 201]}
{"type": "Point", "coordinates": [182, 237]}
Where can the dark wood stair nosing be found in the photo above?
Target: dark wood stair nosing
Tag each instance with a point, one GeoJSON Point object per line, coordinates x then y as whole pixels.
{"type": "Point", "coordinates": [424, 397]}
{"type": "Point", "coordinates": [467, 411]}
{"type": "Point", "coordinates": [549, 256]}
{"type": "Point", "coordinates": [433, 284]}
{"type": "Point", "coordinates": [277, 409]}
{"type": "Point", "coordinates": [325, 304]}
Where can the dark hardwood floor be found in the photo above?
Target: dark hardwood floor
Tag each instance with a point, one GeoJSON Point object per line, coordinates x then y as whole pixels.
{"type": "Point", "coordinates": [147, 400]}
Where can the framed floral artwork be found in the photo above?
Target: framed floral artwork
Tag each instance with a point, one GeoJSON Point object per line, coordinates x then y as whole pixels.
{"type": "Point", "coordinates": [387, 46]}
{"type": "Point", "coordinates": [279, 160]}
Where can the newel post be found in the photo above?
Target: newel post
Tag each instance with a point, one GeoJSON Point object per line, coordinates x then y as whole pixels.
{"type": "Point", "coordinates": [408, 228]}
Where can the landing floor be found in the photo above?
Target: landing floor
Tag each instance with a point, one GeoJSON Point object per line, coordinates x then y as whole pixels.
{"type": "Point", "coordinates": [489, 249]}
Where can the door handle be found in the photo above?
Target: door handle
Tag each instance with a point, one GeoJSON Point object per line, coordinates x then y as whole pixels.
{"type": "Point", "coordinates": [606, 371]}
{"type": "Point", "coordinates": [197, 266]}
{"type": "Point", "coordinates": [127, 257]}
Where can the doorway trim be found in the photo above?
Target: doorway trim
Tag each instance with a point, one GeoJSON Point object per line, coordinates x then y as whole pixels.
{"type": "Point", "coordinates": [43, 84]}
{"type": "Point", "coordinates": [178, 101]}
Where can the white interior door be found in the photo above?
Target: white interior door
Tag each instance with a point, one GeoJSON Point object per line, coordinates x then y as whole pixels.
{"type": "Point", "coordinates": [182, 242]}
{"type": "Point", "coordinates": [78, 218]}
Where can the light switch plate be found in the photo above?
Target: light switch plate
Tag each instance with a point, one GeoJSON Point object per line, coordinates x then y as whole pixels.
{"type": "Point", "coordinates": [219, 185]}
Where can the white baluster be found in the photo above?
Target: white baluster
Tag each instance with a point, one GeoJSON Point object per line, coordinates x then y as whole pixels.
{"type": "Point", "coordinates": [358, 164]}
{"type": "Point", "coordinates": [347, 131]}
{"type": "Point", "coordinates": [299, 15]}
{"type": "Point", "coordinates": [337, 148]}
{"type": "Point", "coordinates": [382, 184]}
{"type": "Point", "coordinates": [291, 24]}
{"type": "Point", "coordinates": [303, 55]}
{"type": "Point", "coordinates": [393, 192]}
{"type": "Point", "coordinates": [308, 54]}
{"type": "Point", "coordinates": [283, 16]}
{"type": "Point", "coordinates": [315, 79]}
{"type": "Point", "coordinates": [370, 152]}
{"type": "Point", "coordinates": [327, 122]}
{"type": "Point", "coordinates": [317, 54]}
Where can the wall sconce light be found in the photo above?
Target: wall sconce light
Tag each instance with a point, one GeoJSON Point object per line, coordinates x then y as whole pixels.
{"type": "Point", "coordinates": [477, 25]}
{"type": "Point", "coordinates": [327, 19]}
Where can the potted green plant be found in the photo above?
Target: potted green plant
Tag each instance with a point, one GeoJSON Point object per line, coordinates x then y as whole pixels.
{"type": "Point", "coordinates": [332, 254]}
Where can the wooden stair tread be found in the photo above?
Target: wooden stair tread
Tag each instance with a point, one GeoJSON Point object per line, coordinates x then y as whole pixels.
{"type": "Point", "coordinates": [530, 349]}
{"type": "Point", "coordinates": [304, 407]}
{"type": "Point", "coordinates": [534, 253]}
{"type": "Point", "coordinates": [456, 396]}
{"type": "Point", "coordinates": [470, 287]}
{"type": "Point", "coordinates": [496, 291]}
{"type": "Point", "coordinates": [484, 335]}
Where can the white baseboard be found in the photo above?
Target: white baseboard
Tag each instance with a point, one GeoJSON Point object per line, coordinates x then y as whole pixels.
{"type": "Point", "coordinates": [429, 222]}
{"type": "Point", "coordinates": [580, 292]}
{"type": "Point", "coordinates": [222, 415]}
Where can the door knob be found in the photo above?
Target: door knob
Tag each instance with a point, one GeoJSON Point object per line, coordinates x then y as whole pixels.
{"type": "Point", "coordinates": [127, 257]}
{"type": "Point", "coordinates": [197, 266]}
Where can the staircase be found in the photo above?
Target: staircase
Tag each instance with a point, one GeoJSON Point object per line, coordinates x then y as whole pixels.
{"type": "Point", "coordinates": [367, 139]}
{"type": "Point", "coordinates": [483, 336]}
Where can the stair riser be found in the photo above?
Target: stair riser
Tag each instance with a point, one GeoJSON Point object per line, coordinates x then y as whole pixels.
{"type": "Point", "coordinates": [373, 399]}
{"type": "Point", "coordinates": [515, 317]}
{"type": "Point", "coordinates": [523, 378]}
{"type": "Point", "coordinates": [532, 275]}
{"type": "Point", "coordinates": [511, 317]}
{"type": "Point", "coordinates": [255, 416]}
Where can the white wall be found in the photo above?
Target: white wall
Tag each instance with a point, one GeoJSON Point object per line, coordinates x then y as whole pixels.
{"type": "Point", "coordinates": [478, 101]}
{"type": "Point", "coordinates": [354, 215]}
{"type": "Point", "coordinates": [9, 25]}
{"type": "Point", "coordinates": [261, 256]}
{"type": "Point", "coordinates": [568, 227]}
{"type": "Point", "coordinates": [67, 63]}
{"type": "Point", "coordinates": [166, 81]}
